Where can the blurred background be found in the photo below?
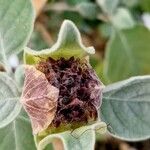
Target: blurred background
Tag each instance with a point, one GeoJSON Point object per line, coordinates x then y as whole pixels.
{"type": "Point", "coordinates": [118, 29]}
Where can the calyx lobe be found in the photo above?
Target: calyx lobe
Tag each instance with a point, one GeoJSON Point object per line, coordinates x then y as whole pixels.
{"type": "Point", "coordinates": [39, 99]}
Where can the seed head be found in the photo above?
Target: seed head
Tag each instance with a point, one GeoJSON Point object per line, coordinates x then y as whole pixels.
{"type": "Point", "coordinates": [79, 90]}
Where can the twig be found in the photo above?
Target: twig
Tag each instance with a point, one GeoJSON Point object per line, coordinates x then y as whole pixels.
{"type": "Point", "coordinates": [45, 34]}
{"type": "Point", "coordinates": [39, 5]}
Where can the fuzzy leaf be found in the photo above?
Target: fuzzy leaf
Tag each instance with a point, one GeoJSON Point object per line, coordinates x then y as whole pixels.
{"type": "Point", "coordinates": [16, 23]}
{"type": "Point", "coordinates": [17, 135]}
{"type": "Point", "coordinates": [80, 139]}
{"type": "Point", "coordinates": [39, 98]}
{"type": "Point", "coordinates": [9, 100]}
{"type": "Point", "coordinates": [126, 107]}
{"type": "Point", "coordinates": [88, 10]}
{"type": "Point", "coordinates": [68, 44]}
{"type": "Point", "coordinates": [128, 54]}
{"type": "Point", "coordinates": [122, 19]}
{"type": "Point", "coordinates": [108, 6]}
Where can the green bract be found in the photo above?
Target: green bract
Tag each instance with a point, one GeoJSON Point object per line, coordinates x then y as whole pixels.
{"type": "Point", "coordinates": [68, 44]}
{"type": "Point", "coordinates": [82, 138]}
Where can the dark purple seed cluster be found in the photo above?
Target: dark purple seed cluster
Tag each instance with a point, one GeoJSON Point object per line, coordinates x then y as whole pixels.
{"type": "Point", "coordinates": [80, 94]}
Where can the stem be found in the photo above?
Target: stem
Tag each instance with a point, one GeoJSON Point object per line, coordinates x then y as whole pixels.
{"type": "Point", "coordinates": [60, 7]}
{"type": "Point", "coordinates": [57, 144]}
{"type": "Point", "coordinates": [45, 34]}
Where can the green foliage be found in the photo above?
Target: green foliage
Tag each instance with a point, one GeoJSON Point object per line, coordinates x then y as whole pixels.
{"type": "Point", "coordinates": [18, 134]}
{"type": "Point", "coordinates": [105, 30]}
{"type": "Point", "coordinates": [68, 44]}
{"type": "Point", "coordinates": [82, 138]}
{"type": "Point", "coordinates": [108, 6]}
{"type": "Point", "coordinates": [70, 140]}
{"type": "Point", "coordinates": [9, 100]}
{"type": "Point", "coordinates": [122, 19]}
{"type": "Point", "coordinates": [127, 53]}
{"type": "Point", "coordinates": [126, 106]}
{"type": "Point", "coordinates": [16, 23]}
{"type": "Point", "coordinates": [88, 10]}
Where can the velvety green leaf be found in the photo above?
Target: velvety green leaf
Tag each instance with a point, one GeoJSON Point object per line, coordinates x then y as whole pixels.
{"type": "Point", "coordinates": [17, 135]}
{"type": "Point", "coordinates": [108, 6]}
{"type": "Point", "coordinates": [82, 138]}
{"type": "Point", "coordinates": [16, 23]}
{"type": "Point", "coordinates": [68, 44]}
{"type": "Point", "coordinates": [79, 139]}
{"type": "Point", "coordinates": [122, 19]}
{"type": "Point", "coordinates": [128, 54]}
{"type": "Point", "coordinates": [9, 100]}
{"type": "Point", "coordinates": [126, 107]}
{"type": "Point", "coordinates": [88, 10]}
{"type": "Point", "coordinates": [85, 142]}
